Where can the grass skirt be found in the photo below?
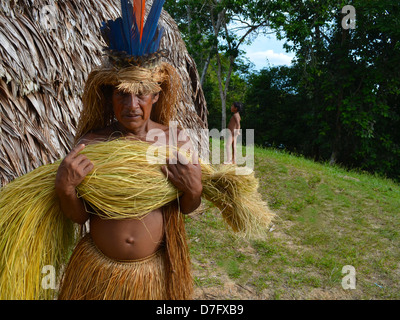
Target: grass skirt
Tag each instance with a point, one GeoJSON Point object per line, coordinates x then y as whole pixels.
{"type": "Point", "coordinates": [90, 275]}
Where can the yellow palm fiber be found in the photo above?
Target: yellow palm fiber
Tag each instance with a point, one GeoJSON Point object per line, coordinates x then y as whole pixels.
{"type": "Point", "coordinates": [34, 233]}
{"type": "Point", "coordinates": [234, 190]}
{"type": "Point", "coordinates": [123, 184]}
{"type": "Point", "coordinates": [127, 181]}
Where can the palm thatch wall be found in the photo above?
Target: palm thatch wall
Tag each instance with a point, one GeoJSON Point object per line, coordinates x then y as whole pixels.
{"type": "Point", "coordinates": [47, 49]}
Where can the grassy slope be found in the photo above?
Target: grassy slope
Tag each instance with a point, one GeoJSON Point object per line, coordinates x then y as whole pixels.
{"type": "Point", "coordinates": [327, 218]}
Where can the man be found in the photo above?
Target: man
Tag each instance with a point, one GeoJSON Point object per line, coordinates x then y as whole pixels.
{"type": "Point", "coordinates": [126, 240]}
{"type": "Point", "coordinates": [233, 132]}
{"type": "Point", "coordinates": [129, 258]}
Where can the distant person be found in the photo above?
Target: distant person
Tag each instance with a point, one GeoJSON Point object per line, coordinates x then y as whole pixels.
{"type": "Point", "coordinates": [233, 132]}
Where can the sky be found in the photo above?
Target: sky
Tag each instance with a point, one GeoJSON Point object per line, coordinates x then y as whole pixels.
{"type": "Point", "coordinates": [266, 51]}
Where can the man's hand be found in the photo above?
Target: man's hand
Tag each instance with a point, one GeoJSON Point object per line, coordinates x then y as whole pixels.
{"type": "Point", "coordinates": [186, 177]}
{"type": "Point", "coordinates": [72, 170]}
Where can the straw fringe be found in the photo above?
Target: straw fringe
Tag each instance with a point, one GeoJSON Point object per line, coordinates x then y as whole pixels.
{"type": "Point", "coordinates": [90, 275]}
{"type": "Point", "coordinates": [178, 266]}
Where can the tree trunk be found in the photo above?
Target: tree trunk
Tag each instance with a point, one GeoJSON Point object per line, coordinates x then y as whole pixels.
{"type": "Point", "coordinates": [336, 145]}
{"type": "Point", "coordinates": [338, 130]}
{"type": "Point", "coordinates": [205, 68]}
{"type": "Point", "coordinates": [222, 92]}
{"type": "Point", "coordinates": [223, 115]}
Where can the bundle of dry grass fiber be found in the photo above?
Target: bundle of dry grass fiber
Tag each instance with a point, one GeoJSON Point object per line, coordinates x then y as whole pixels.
{"type": "Point", "coordinates": [126, 182]}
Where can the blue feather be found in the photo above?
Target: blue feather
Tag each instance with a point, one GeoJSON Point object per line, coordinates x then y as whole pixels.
{"type": "Point", "coordinates": [157, 39]}
{"type": "Point", "coordinates": [127, 23]}
{"type": "Point", "coordinates": [150, 26]}
{"type": "Point", "coordinates": [117, 39]}
{"type": "Point", "coordinates": [123, 33]}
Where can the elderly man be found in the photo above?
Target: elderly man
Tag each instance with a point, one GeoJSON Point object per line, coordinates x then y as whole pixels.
{"type": "Point", "coordinates": [129, 258]}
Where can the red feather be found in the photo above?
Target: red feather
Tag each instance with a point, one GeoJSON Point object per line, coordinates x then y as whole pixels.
{"type": "Point", "coordinates": [139, 7]}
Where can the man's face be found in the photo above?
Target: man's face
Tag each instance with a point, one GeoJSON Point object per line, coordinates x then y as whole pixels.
{"type": "Point", "coordinates": [233, 109]}
{"type": "Point", "coordinates": [132, 111]}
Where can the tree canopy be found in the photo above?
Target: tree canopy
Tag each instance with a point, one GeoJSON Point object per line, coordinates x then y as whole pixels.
{"type": "Point", "coordinates": [337, 102]}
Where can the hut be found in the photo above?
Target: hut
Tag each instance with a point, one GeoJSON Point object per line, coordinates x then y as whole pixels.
{"type": "Point", "coordinates": [47, 50]}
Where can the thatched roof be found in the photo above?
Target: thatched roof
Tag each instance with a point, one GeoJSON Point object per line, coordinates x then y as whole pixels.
{"type": "Point", "coordinates": [44, 64]}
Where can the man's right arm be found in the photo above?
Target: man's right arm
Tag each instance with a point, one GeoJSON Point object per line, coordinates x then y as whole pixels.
{"type": "Point", "coordinates": [71, 172]}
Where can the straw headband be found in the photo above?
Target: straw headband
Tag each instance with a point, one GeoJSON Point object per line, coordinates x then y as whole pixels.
{"type": "Point", "coordinates": [132, 79]}
{"type": "Point", "coordinates": [162, 79]}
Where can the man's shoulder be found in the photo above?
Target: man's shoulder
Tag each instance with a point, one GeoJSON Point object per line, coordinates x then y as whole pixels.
{"type": "Point", "coordinates": [96, 136]}
{"type": "Point", "coordinates": [159, 126]}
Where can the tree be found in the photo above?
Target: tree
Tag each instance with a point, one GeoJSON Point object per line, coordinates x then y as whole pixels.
{"type": "Point", "coordinates": [207, 25]}
{"type": "Point", "coordinates": [237, 89]}
{"type": "Point", "coordinates": [275, 110]}
{"type": "Point", "coordinates": [350, 76]}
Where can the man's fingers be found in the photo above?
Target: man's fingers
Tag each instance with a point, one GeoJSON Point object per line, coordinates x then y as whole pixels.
{"type": "Point", "coordinates": [87, 166]}
{"type": "Point", "coordinates": [172, 159]}
{"type": "Point", "coordinates": [178, 158]}
{"type": "Point", "coordinates": [76, 150]}
{"type": "Point", "coordinates": [167, 172]}
{"type": "Point", "coordinates": [79, 158]}
{"type": "Point", "coordinates": [182, 159]}
{"type": "Point", "coordinates": [75, 158]}
{"type": "Point", "coordinates": [83, 162]}
{"type": "Point", "coordinates": [195, 158]}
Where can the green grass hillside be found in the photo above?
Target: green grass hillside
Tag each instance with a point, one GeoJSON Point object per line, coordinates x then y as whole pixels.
{"type": "Point", "coordinates": [327, 218]}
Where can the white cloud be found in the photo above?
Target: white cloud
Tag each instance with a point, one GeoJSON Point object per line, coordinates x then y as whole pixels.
{"type": "Point", "coordinates": [263, 58]}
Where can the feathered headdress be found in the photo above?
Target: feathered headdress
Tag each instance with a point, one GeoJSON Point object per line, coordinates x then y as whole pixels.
{"type": "Point", "coordinates": [134, 65]}
{"type": "Point", "coordinates": [131, 41]}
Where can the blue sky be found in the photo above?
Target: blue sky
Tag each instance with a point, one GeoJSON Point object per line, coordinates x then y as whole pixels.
{"type": "Point", "coordinates": [266, 51]}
